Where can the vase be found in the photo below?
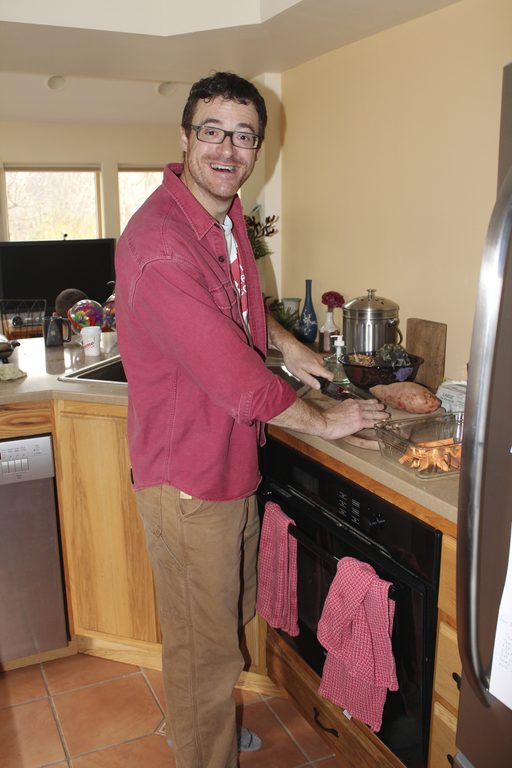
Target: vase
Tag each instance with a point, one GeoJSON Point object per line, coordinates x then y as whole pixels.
{"type": "Point", "coordinates": [308, 325]}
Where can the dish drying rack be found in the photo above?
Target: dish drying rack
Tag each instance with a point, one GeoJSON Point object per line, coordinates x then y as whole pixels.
{"type": "Point", "coordinates": [22, 318]}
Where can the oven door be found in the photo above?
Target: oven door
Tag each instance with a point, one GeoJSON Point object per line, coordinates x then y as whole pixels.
{"type": "Point", "coordinates": [322, 540]}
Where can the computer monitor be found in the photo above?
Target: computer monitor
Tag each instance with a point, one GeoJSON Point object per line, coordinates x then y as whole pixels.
{"type": "Point", "coordinates": [40, 269]}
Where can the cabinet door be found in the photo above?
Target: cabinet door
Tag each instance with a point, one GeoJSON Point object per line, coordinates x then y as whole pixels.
{"type": "Point", "coordinates": [109, 575]}
{"type": "Point", "coordinates": [448, 666]}
{"type": "Point", "coordinates": [444, 728]}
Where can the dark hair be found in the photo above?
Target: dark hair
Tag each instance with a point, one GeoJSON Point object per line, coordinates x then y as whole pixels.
{"type": "Point", "coordinates": [66, 299]}
{"type": "Point", "coordinates": [230, 87]}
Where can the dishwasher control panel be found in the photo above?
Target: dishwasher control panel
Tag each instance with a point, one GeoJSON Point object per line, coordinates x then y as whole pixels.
{"type": "Point", "coordinates": [26, 458]}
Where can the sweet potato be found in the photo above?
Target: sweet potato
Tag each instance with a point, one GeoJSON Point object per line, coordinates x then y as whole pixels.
{"type": "Point", "coordinates": [406, 396]}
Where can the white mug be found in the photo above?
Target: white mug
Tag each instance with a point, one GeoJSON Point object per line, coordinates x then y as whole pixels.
{"type": "Point", "coordinates": [91, 335]}
{"type": "Point", "coordinates": [108, 340]}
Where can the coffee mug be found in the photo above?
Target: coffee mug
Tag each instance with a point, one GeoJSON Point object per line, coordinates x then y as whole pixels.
{"type": "Point", "coordinates": [57, 331]}
{"type": "Point", "coordinates": [91, 335]}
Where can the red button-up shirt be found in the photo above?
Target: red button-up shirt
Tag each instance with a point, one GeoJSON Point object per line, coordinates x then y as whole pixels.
{"type": "Point", "coordinates": [198, 388]}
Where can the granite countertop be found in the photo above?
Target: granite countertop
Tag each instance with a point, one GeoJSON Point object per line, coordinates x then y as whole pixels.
{"type": "Point", "coordinates": [44, 365]}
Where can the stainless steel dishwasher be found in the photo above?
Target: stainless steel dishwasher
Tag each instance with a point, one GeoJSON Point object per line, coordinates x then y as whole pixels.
{"type": "Point", "coordinates": [32, 606]}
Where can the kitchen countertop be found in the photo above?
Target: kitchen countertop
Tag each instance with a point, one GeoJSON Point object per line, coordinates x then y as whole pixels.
{"type": "Point", "coordinates": [44, 365]}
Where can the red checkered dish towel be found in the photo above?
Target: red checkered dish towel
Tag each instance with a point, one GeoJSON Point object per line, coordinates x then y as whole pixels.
{"type": "Point", "coordinates": [277, 571]}
{"type": "Point", "coordinates": [355, 629]}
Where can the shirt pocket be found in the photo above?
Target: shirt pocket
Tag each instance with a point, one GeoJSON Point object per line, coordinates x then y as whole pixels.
{"type": "Point", "coordinates": [225, 298]}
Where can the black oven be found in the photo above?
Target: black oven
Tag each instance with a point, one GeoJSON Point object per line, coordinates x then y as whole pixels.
{"type": "Point", "coordinates": [335, 518]}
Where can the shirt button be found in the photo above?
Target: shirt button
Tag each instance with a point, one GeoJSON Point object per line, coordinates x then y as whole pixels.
{"type": "Point", "coordinates": [222, 258]}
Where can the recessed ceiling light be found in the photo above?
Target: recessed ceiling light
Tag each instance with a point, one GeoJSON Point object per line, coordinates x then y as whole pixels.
{"type": "Point", "coordinates": [56, 82]}
{"type": "Point", "coordinates": [166, 88]}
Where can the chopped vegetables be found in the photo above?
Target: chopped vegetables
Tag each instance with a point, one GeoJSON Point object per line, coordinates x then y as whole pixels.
{"type": "Point", "coordinates": [444, 455]}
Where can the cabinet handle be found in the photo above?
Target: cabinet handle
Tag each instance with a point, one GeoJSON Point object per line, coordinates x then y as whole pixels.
{"type": "Point", "coordinates": [457, 679]}
{"type": "Point", "coordinates": [316, 714]}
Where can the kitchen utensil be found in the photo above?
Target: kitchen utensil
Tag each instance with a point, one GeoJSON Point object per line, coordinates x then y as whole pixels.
{"type": "Point", "coordinates": [7, 348]}
{"type": "Point", "coordinates": [335, 390]}
{"type": "Point", "coordinates": [369, 322]}
{"type": "Point", "coordinates": [366, 376]}
{"type": "Point", "coordinates": [427, 339]}
{"type": "Point", "coordinates": [430, 446]}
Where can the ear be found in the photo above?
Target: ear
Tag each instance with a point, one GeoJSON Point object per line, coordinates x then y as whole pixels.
{"type": "Point", "coordinates": [183, 139]}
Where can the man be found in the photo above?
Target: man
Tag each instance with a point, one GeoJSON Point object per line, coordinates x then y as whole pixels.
{"type": "Point", "coordinates": [193, 336]}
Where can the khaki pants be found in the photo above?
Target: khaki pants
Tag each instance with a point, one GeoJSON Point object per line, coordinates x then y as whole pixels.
{"type": "Point", "coordinates": [204, 558]}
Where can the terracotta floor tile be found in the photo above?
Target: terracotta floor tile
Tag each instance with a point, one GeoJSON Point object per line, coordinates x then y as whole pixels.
{"type": "Point", "coordinates": [76, 671]}
{"type": "Point", "coordinates": [155, 680]}
{"type": "Point", "coordinates": [20, 685]}
{"type": "Point", "coordinates": [279, 750]}
{"type": "Point", "coordinates": [29, 736]}
{"type": "Point", "coordinates": [313, 745]}
{"type": "Point", "coordinates": [148, 752]}
{"type": "Point", "coordinates": [107, 713]}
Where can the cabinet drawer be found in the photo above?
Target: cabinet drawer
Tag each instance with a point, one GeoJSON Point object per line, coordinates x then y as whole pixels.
{"type": "Point", "coordinates": [25, 419]}
{"type": "Point", "coordinates": [447, 599]}
{"type": "Point", "coordinates": [359, 747]}
{"type": "Point", "coordinates": [448, 663]}
{"type": "Point", "coordinates": [442, 737]}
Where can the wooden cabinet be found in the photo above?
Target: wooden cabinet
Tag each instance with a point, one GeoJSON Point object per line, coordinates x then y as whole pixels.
{"type": "Point", "coordinates": [448, 665]}
{"type": "Point", "coordinates": [109, 579]}
{"type": "Point", "coordinates": [25, 419]}
{"type": "Point", "coordinates": [109, 576]}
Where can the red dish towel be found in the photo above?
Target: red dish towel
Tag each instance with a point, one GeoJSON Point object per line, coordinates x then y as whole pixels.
{"type": "Point", "coordinates": [277, 571]}
{"type": "Point", "coordinates": [355, 629]}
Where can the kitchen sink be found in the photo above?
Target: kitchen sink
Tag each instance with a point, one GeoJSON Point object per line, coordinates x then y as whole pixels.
{"type": "Point", "coordinates": [109, 371]}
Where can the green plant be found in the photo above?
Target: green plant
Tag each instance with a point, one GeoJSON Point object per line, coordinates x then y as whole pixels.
{"type": "Point", "coordinates": [285, 316]}
{"type": "Point", "coordinates": [258, 232]}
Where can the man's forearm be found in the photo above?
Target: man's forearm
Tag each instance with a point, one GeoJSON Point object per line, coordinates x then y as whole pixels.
{"type": "Point", "coordinates": [302, 417]}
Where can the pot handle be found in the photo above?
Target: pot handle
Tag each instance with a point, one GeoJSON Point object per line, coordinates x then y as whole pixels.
{"type": "Point", "coordinates": [398, 332]}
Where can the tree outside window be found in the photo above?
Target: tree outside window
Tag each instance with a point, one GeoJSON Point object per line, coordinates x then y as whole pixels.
{"type": "Point", "coordinates": [135, 186]}
{"type": "Point", "coordinates": [51, 204]}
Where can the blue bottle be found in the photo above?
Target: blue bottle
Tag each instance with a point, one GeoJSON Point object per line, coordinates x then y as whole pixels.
{"type": "Point", "coordinates": [308, 325]}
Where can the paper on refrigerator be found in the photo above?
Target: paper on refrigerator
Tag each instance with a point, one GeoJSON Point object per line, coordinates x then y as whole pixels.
{"type": "Point", "coordinates": [501, 671]}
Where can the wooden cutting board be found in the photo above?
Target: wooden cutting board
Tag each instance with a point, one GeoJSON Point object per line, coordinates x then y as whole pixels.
{"type": "Point", "coordinates": [427, 339]}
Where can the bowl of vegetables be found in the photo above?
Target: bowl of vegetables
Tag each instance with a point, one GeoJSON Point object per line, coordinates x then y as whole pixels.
{"type": "Point", "coordinates": [390, 364]}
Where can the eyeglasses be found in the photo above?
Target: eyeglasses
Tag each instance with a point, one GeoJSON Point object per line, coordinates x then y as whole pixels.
{"type": "Point", "coordinates": [212, 135]}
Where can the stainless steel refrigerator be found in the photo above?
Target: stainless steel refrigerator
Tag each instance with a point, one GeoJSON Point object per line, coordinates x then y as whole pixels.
{"type": "Point", "coordinates": [484, 570]}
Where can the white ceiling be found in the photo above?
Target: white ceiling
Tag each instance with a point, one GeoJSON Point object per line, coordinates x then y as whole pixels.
{"type": "Point", "coordinates": [113, 55]}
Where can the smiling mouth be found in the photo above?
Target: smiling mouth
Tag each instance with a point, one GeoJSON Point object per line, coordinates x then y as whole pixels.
{"type": "Point", "coordinates": [222, 168]}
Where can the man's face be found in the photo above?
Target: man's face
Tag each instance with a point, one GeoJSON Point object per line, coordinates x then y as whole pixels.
{"type": "Point", "coordinates": [215, 172]}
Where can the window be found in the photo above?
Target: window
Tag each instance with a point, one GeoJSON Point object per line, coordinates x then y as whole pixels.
{"type": "Point", "coordinates": [51, 204]}
{"type": "Point", "coordinates": [135, 186]}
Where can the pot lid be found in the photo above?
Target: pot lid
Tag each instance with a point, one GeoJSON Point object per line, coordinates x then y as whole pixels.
{"type": "Point", "coordinates": [370, 306]}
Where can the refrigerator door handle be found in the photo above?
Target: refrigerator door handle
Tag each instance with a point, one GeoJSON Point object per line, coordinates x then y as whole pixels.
{"type": "Point", "coordinates": [474, 439]}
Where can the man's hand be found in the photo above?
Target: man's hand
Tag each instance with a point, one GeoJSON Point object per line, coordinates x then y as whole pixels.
{"type": "Point", "coordinates": [299, 360]}
{"type": "Point", "coordinates": [339, 420]}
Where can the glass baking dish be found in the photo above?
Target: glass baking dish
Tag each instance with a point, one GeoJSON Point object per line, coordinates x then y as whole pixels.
{"type": "Point", "coordinates": [429, 446]}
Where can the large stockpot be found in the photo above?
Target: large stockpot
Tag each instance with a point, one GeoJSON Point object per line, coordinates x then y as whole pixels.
{"type": "Point", "coordinates": [369, 322]}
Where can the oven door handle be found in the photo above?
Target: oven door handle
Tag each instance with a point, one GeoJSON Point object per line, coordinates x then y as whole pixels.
{"type": "Point", "coordinates": [306, 542]}
{"type": "Point", "coordinates": [358, 534]}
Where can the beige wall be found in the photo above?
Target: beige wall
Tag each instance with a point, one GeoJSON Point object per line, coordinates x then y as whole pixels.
{"type": "Point", "coordinates": [105, 145]}
{"type": "Point", "coordinates": [390, 163]}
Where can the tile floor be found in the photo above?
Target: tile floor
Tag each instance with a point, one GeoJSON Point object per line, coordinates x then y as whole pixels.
{"type": "Point", "coordinates": [86, 712]}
